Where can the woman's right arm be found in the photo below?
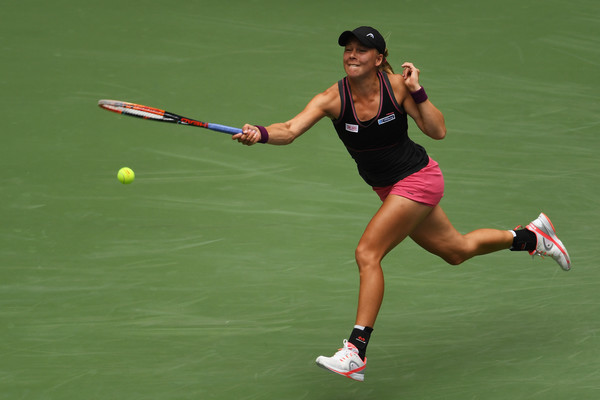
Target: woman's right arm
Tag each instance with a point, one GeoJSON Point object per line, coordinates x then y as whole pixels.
{"type": "Point", "coordinates": [326, 104]}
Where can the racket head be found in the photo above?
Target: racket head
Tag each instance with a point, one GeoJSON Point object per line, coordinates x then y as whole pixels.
{"type": "Point", "coordinates": [135, 110]}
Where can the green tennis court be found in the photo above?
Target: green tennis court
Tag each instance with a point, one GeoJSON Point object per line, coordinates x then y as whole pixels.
{"type": "Point", "coordinates": [223, 270]}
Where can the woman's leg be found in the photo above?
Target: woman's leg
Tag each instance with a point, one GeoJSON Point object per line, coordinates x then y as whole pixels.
{"type": "Point", "coordinates": [436, 234]}
{"type": "Point", "coordinates": [392, 223]}
{"type": "Point", "coordinates": [398, 218]}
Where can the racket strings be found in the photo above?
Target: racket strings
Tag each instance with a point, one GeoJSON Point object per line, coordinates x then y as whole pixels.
{"type": "Point", "coordinates": [142, 113]}
{"type": "Point", "coordinates": [136, 110]}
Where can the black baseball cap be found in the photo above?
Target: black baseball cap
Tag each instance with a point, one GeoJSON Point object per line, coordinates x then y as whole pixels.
{"type": "Point", "coordinates": [366, 35]}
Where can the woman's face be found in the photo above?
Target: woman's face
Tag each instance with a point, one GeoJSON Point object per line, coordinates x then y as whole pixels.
{"type": "Point", "coordinates": [360, 60]}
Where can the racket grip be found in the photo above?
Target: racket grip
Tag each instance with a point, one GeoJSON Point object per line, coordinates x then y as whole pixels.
{"type": "Point", "coordinates": [224, 128]}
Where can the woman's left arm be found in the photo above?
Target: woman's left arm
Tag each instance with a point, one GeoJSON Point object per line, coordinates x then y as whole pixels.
{"type": "Point", "coordinates": [427, 117]}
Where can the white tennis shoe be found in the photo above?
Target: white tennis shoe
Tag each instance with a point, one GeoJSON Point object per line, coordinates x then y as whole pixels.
{"type": "Point", "coordinates": [345, 362]}
{"type": "Point", "coordinates": [548, 243]}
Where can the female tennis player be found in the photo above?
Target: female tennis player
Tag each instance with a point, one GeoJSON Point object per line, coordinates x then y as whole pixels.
{"type": "Point", "coordinates": [369, 109]}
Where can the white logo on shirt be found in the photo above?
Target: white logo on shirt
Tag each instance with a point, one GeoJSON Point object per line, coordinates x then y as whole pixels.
{"type": "Point", "coordinates": [387, 118]}
{"type": "Point", "coordinates": [352, 128]}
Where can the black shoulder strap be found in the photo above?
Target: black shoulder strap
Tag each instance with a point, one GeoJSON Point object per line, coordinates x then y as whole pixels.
{"type": "Point", "coordinates": [342, 98]}
{"type": "Point", "coordinates": [390, 91]}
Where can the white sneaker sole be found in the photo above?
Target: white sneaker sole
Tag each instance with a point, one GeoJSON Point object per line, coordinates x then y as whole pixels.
{"type": "Point", "coordinates": [356, 374]}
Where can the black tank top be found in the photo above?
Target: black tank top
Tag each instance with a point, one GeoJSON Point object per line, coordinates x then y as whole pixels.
{"type": "Point", "coordinates": [381, 148]}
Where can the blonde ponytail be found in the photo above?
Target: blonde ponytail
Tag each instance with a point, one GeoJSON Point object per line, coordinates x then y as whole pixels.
{"type": "Point", "coordinates": [385, 65]}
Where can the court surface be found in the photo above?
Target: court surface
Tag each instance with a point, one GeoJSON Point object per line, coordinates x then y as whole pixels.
{"type": "Point", "coordinates": [223, 271]}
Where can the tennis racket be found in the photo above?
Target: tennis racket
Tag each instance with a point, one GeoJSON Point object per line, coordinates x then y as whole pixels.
{"type": "Point", "coordinates": [156, 114]}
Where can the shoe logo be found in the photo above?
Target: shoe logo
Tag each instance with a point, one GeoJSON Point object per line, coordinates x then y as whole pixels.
{"type": "Point", "coordinates": [352, 366]}
{"type": "Point", "coordinates": [547, 245]}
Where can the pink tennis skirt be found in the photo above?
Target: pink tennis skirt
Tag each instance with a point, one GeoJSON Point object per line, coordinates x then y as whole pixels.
{"type": "Point", "coordinates": [425, 186]}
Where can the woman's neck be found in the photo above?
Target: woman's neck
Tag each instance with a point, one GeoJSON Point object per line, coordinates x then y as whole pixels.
{"type": "Point", "coordinates": [364, 86]}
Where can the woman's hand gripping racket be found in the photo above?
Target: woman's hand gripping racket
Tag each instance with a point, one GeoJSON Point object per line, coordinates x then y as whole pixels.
{"type": "Point", "coordinates": [155, 114]}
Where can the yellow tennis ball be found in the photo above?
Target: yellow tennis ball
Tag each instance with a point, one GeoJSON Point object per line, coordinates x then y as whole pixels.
{"type": "Point", "coordinates": [126, 175]}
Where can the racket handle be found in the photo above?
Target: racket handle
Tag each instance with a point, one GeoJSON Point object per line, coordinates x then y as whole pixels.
{"type": "Point", "coordinates": [224, 128]}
